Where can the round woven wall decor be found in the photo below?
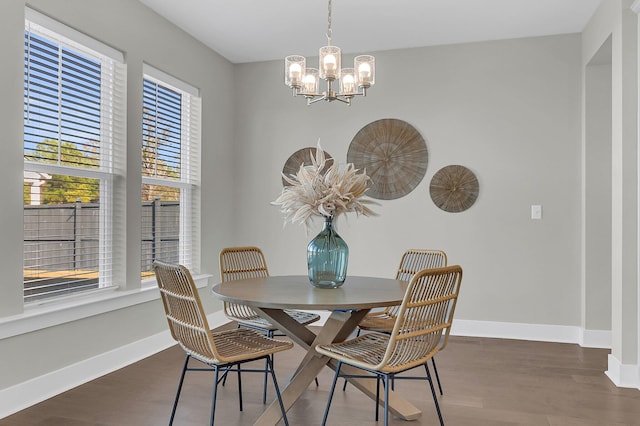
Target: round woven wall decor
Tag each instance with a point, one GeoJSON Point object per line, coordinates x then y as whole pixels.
{"type": "Point", "coordinates": [393, 153]}
{"type": "Point", "coordinates": [302, 156]}
{"type": "Point", "coordinates": [454, 188]}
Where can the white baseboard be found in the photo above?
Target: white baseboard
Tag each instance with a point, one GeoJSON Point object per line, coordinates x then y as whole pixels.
{"type": "Point", "coordinates": [519, 331]}
{"type": "Point", "coordinates": [535, 332]}
{"type": "Point", "coordinates": [26, 394]}
{"type": "Point", "coordinates": [595, 339]}
{"type": "Point", "coordinates": [623, 375]}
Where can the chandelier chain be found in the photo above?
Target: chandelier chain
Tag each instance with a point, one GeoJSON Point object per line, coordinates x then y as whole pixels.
{"type": "Point", "coordinates": [329, 25]}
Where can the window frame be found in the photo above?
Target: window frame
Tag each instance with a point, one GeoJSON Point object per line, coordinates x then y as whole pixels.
{"type": "Point", "coordinates": [112, 146]}
{"type": "Point", "coordinates": [189, 182]}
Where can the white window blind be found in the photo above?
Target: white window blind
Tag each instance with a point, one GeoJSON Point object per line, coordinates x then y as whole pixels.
{"type": "Point", "coordinates": [74, 103]}
{"type": "Point", "coordinates": [170, 172]}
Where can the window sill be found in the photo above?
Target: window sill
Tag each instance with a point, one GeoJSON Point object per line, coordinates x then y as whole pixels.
{"type": "Point", "coordinates": [56, 312]}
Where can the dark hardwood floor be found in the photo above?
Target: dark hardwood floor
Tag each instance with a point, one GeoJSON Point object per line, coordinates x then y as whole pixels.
{"type": "Point", "coordinates": [492, 382]}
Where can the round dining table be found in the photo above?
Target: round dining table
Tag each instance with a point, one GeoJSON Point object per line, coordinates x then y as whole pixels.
{"type": "Point", "coordinates": [271, 296]}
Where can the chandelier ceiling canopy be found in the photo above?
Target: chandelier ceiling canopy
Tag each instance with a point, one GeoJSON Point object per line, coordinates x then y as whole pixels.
{"type": "Point", "coordinates": [350, 81]}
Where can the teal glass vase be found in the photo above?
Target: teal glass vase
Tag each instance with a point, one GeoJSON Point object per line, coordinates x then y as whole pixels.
{"type": "Point", "coordinates": [327, 258]}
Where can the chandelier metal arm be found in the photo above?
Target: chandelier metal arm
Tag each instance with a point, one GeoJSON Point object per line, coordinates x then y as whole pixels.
{"type": "Point", "coordinates": [328, 96]}
{"type": "Point", "coordinates": [329, 99]}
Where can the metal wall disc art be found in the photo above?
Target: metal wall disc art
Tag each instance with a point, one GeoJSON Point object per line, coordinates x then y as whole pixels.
{"type": "Point", "coordinates": [393, 153]}
{"type": "Point", "coordinates": [454, 188]}
{"type": "Point", "coordinates": [302, 156]}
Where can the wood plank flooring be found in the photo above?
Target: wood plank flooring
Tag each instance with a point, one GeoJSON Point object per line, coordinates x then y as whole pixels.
{"type": "Point", "coordinates": [487, 382]}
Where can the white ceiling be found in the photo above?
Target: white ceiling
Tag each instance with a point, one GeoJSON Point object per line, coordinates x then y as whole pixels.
{"type": "Point", "coordinates": [260, 30]}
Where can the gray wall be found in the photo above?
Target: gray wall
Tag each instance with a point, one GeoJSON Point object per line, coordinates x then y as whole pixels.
{"type": "Point", "coordinates": [142, 35]}
{"type": "Point", "coordinates": [508, 110]}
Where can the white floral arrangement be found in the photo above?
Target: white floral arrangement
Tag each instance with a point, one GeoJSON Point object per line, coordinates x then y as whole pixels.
{"type": "Point", "coordinates": [317, 190]}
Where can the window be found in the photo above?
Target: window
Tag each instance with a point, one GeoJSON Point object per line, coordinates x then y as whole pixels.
{"type": "Point", "coordinates": [170, 171]}
{"type": "Point", "coordinates": [73, 159]}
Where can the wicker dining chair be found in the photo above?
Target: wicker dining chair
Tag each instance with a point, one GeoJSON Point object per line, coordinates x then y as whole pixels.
{"type": "Point", "coordinates": [238, 263]}
{"type": "Point", "coordinates": [423, 319]}
{"type": "Point", "coordinates": [221, 351]}
{"type": "Point", "coordinates": [412, 261]}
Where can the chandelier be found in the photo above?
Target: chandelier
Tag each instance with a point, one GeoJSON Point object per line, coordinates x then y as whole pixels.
{"type": "Point", "coordinates": [350, 81]}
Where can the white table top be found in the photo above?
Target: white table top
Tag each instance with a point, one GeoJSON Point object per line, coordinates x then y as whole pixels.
{"type": "Point", "coordinates": [295, 292]}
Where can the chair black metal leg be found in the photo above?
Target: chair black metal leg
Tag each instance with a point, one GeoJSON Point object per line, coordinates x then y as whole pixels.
{"type": "Point", "coordinates": [224, 376]}
{"type": "Point", "coordinates": [333, 388]}
{"type": "Point", "coordinates": [175, 402]}
{"type": "Point", "coordinates": [377, 396]}
{"type": "Point", "coordinates": [435, 370]}
{"type": "Point", "coordinates": [278, 395]}
{"type": "Point", "coordinates": [386, 400]}
{"type": "Point", "coordinates": [435, 397]}
{"type": "Point", "coordinates": [266, 375]}
{"type": "Point", "coordinates": [270, 334]}
{"type": "Point", "coordinates": [215, 395]}
{"type": "Point", "coordinates": [240, 386]}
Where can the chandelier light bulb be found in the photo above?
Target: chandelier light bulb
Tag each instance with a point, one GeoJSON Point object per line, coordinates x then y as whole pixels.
{"type": "Point", "coordinates": [347, 81]}
{"type": "Point", "coordinates": [310, 82]}
{"type": "Point", "coordinates": [295, 71]}
{"type": "Point", "coordinates": [365, 71]}
{"type": "Point", "coordinates": [365, 66]}
{"type": "Point", "coordinates": [330, 62]}
{"type": "Point", "coordinates": [294, 66]}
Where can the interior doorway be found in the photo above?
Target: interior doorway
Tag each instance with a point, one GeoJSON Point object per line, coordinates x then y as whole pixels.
{"type": "Point", "coordinates": [596, 308]}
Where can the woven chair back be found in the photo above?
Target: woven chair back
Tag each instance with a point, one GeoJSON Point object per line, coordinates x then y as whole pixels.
{"type": "Point", "coordinates": [426, 313]}
{"type": "Point", "coordinates": [185, 314]}
{"type": "Point", "coordinates": [238, 263]}
{"type": "Point", "coordinates": [415, 260]}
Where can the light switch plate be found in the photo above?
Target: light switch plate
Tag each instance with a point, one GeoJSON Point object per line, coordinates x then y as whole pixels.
{"type": "Point", "coordinates": [536, 211]}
